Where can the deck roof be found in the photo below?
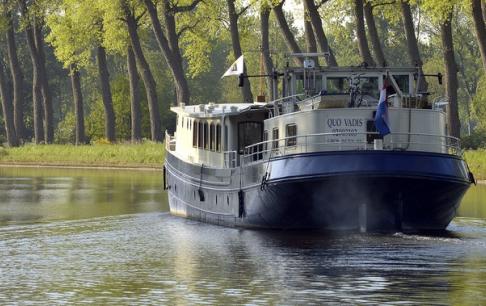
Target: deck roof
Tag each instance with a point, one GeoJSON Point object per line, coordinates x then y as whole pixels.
{"type": "Point", "coordinates": [212, 110]}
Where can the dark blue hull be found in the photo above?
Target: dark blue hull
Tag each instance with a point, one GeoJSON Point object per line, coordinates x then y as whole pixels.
{"type": "Point", "coordinates": [353, 190]}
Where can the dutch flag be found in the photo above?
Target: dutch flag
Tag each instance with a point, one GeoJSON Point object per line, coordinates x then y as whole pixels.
{"type": "Point", "coordinates": [381, 118]}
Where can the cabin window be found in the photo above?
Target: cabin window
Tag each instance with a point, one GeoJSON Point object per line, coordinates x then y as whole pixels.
{"type": "Point", "coordinates": [218, 137]}
{"type": "Point", "coordinates": [403, 82]}
{"type": "Point", "coordinates": [275, 138]}
{"type": "Point", "coordinates": [212, 137]}
{"type": "Point", "coordinates": [291, 135]}
{"type": "Point", "coordinates": [206, 136]}
{"type": "Point", "coordinates": [200, 135]}
{"type": "Point", "coordinates": [265, 139]}
{"type": "Point", "coordinates": [337, 85]}
{"type": "Point", "coordinates": [194, 136]}
{"type": "Point", "coordinates": [249, 133]}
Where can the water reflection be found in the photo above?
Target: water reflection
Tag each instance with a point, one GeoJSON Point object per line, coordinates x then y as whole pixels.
{"type": "Point", "coordinates": [106, 238]}
{"type": "Point", "coordinates": [34, 195]}
{"type": "Point", "coordinates": [474, 203]}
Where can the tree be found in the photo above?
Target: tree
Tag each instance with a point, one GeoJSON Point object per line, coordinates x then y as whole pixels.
{"type": "Point", "coordinates": [480, 28]}
{"type": "Point", "coordinates": [441, 13]}
{"type": "Point", "coordinates": [235, 41]}
{"type": "Point", "coordinates": [110, 133]}
{"type": "Point", "coordinates": [8, 117]}
{"type": "Point", "coordinates": [131, 21]}
{"type": "Point", "coordinates": [169, 44]}
{"type": "Point", "coordinates": [412, 45]}
{"type": "Point", "coordinates": [75, 30]}
{"type": "Point", "coordinates": [451, 76]}
{"type": "Point", "coordinates": [30, 22]}
{"type": "Point", "coordinates": [78, 105]}
{"type": "Point", "coordinates": [17, 78]}
{"type": "Point", "coordinates": [265, 43]}
{"type": "Point", "coordinates": [136, 115]}
{"type": "Point", "coordinates": [373, 33]}
{"type": "Point", "coordinates": [287, 33]}
{"type": "Point", "coordinates": [364, 50]}
{"type": "Point", "coordinates": [315, 18]}
{"type": "Point", "coordinates": [45, 89]}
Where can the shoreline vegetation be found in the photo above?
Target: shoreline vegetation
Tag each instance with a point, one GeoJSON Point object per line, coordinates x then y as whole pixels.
{"type": "Point", "coordinates": [145, 156]}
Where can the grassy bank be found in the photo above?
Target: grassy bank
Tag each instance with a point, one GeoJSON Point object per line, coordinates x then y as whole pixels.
{"type": "Point", "coordinates": [149, 155]}
{"type": "Point", "coordinates": [476, 160]}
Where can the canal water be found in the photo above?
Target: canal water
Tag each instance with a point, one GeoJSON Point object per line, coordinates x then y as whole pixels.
{"type": "Point", "coordinates": [105, 237]}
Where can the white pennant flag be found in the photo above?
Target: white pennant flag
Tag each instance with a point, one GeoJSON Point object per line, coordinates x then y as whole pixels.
{"type": "Point", "coordinates": [236, 68]}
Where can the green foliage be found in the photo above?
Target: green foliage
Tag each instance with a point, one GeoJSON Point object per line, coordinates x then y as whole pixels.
{"type": "Point", "coordinates": [476, 160]}
{"type": "Point", "coordinates": [477, 140]}
{"type": "Point", "coordinates": [95, 121]}
{"type": "Point", "coordinates": [65, 132]}
{"type": "Point", "coordinates": [479, 104]}
{"type": "Point", "coordinates": [75, 28]}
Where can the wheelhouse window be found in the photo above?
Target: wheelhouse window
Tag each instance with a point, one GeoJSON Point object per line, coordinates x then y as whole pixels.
{"type": "Point", "coordinates": [206, 136]}
{"type": "Point", "coordinates": [212, 137]}
{"type": "Point", "coordinates": [200, 137]}
{"type": "Point", "coordinates": [403, 82]}
{"type": "Point", "coordinates": [275, 138]}
{"type": "Point", "coordinates": [194, 135]}
{"type": "Point", "coordinates": [291, 135]}
{"type": "Point", "coordinates": [337, 85]}
{"type": "Point", "coordinates": [218, 137]}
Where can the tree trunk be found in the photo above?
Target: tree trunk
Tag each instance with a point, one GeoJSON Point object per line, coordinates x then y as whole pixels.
{"type": "Point", "coordinates": [106, 94]}
{"type": "Point", "coordinates": [46, 93]}
{"type": "Point", "coordinates": [17, 80]}
{"type": "Point", "coordinates": [364, 50]}
{"type": "Point", "coordinates": [483, 9]}
{"type": "Point", "coordinates": [78, 105]}
{"type": "Point", "coordinates": [373, 33]}
{"type": "Point", "coordinates": [319, 31]}
{"type": "Point", "coordinates": [451, 77]}
{"type": "Point", "coordinates": [235, 40]}
{"type": "Point", "coordinates": [267, 59]}
{"type": "Point", "coordinates": [480, 28]}
{"type": "Point", "coordinates": [8, 117]}
{"type": "Point", "coordinates": [310, 38]}
{"type": "Point", "coordinates": [136, 113]}
{"type": "Point", "coordinates": [147, 77]}
{"type": "Point", "coordinates": [412, 45]}
{"type": "Point", "coordinates": [170, 50]}
{"type": "Point", "coordinates": [36, 86]}
{"type": "Point", "coordinates": [287, 33]}
{"type": "Point", "coordinates": [182, 88]}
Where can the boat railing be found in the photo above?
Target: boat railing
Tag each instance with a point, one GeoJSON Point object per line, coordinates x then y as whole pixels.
{"type": "Point", "coordinates": [170, 142]}
{"type": "Point", "coordinates": [351, 141]}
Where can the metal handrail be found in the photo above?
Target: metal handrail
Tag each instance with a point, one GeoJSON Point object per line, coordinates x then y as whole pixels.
{"type": "Point", "coordinates": [328, 142]}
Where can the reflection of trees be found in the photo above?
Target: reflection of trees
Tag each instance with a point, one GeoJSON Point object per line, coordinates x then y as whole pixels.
{"type": "Point", "coordinates": [473, 203]}
{"type": "Point", "coordinates": [73, 194]}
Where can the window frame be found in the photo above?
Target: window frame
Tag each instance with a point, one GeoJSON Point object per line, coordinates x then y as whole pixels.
{"type": "Point", "coordinates": [275, 137]}
{"type": "Point", "coordinates": [290, 140]}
